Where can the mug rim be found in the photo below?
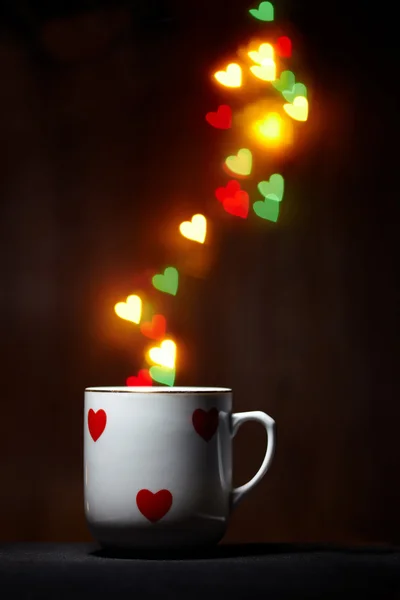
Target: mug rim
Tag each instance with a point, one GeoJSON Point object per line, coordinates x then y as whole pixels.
{"type": "Point", "coordinates": [158, 390]}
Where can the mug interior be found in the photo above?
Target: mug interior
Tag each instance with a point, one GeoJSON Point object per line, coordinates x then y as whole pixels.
{"type": "Point", "coordinates": [160, 389]}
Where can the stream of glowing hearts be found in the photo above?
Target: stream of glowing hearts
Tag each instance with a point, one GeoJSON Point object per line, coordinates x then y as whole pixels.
{"type": "Point", "coordinates": [261, 66]}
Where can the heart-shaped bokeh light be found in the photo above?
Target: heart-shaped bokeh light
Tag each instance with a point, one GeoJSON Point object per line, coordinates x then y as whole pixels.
{"type": "Point", "coordinates": [275, 187]}
{"type": "Point", "coordinates": [195, 230]}
{"type": "Point", "coordinates": [284, 46]}
{"type": "Point", "coordinates": [131, 310]}
{"type": "Point", "coordinates": [142, 379]}
{"type": "Point", "coordinates": [299, 89]}
{"type": "Point", "coordinates": [231, 77]}
{"type": "Point", "coordinates": [298, 109]}
{"type": "Point", "coordinates": [264, 12]}
{"type": "Point", "coordinates": [230, 190]}
{"type": "Point", "coordinates": [241, 163]}
{"type": "Point", "coordinates": [163, 375]}
{"type": "Point", "coordinates": [285, 81]}
{"type": "Point", "coordinates": [222, 118]}
{"type": "Point", "coordinates": [266, 71]}
{"type": "Point", "coordinates": [164, 355]}
{"type": "Point", "coordinates": [267, 209]}
{"type": "Point", "coordinates": [167, 282]}
{"type": "Point", "coordinates": [263, 54]}
{"type": "Point", "coordinates": [237, 204]}
{"type": "Point", "coordinates": [156, 329]}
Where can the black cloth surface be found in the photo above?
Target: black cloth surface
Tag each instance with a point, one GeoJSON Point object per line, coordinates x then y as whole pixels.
{"type": "Point", "coordinates": [29, 570]}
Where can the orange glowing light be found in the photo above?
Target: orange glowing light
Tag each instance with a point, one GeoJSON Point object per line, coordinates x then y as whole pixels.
{"type": "Point", "coordinates": [270, 128]}
{"type": "Point", "coordinates": [131, 310]}
{"type": "Point", "coordinates": [164, 355]}
{"type": "Point", "coordinates": [266, 124]}
{"type": "Point", "coordinates": [231, 77]}
{"type": "Point", "coordinates": [195, 230]}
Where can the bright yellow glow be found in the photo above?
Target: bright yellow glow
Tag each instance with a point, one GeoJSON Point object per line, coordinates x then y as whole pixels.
{"type": "Point", "coordinates": [298, 109]}
{"type": "Point", "coordinates": [266, 71]}
{"type": "Point", "coordinates": [270, 128]}
{"type": "Point", "coordinates": [266, 124]}
{"type": "Point", "coordinates": [231, 77]}
{"type": "Point", "coordinates": [164, 355]}
{"type": "Point", "coordinates": [131, 310]}
{"type": "Point", "coordinates": [264, 53]}
{"type": "Point", "coordinates": [196, 229]}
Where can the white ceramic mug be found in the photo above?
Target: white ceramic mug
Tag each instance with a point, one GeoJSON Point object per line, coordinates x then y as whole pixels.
{"type": "Point", "coordinates": [158, 464]}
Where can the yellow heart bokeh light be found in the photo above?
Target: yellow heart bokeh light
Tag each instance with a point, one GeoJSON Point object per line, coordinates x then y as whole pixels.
{"type": "Point", "coordinates": [266, 71]}
{"type": "Point", "coordinates": [264, 53]}
{"type": "Point", "coordinates": [240, 163]}
{"type": "Point", "coordinates": [131, 310]}
{"type": "Point", "coordinates": [231, 77]}
{"type": "Point", "coordinates": [195, 230]}
{"type": "Point", "coordinates": [164, 355]}
{"type": "Point", "coordinates": [298, 109]}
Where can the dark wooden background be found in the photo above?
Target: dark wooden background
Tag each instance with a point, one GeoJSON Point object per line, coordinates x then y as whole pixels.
{"type": "Point", "coordinates": [103, 149]}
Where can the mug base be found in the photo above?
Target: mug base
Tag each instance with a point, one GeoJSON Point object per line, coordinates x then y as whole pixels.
{"type": "Point", "coordinates": [168, 538]}
{"type": "Point", "coordinates": [194, 551]}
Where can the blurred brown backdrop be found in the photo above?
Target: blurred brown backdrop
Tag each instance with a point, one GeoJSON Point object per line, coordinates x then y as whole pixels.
{"type": "Point", "coordinates": [103, 144]}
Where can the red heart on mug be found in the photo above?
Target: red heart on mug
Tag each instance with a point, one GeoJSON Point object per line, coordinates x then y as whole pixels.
{"type": "Point", "coordinates": [238, 204]}
{"type": "Point", "coordinates": [205, 423]}
{"type": "Point", "coordinates": [97, 423]}
{"type": "Point", "coordinates": [143, 379]}
{"type": "Point", "coordinates": [230, 190]}
{"type": "Point", "coordinates": [156, 329]}
{"type": "Point", "coordinates": [154, 506]}
{"type": "Point", "coordinates": [222, 119]}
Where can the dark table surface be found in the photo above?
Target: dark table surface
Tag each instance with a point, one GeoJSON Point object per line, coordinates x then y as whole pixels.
{"type": "Point", "coordinates": [29, 570]}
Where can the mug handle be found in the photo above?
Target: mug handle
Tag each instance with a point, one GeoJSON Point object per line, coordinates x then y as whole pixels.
{"type": "Point", "coordinates": [237, 420]}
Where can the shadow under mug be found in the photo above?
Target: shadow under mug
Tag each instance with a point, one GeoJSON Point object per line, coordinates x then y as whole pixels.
{"type": "Point", "coordinates": [158, 465]}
